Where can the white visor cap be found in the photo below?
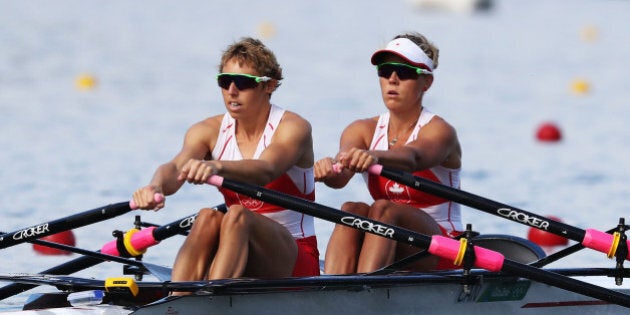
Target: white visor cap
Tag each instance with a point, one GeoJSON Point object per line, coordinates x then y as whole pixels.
{"type": "Point", "coordinates": [406, 49]}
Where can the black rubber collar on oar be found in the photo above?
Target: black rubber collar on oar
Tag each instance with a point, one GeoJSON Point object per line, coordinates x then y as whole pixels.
{"type": "Point", "coordinates": [484, 257]}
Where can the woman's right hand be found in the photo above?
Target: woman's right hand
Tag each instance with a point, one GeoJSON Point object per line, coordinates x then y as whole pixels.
{"type": "Point", "coordinates": [145, 198]}
{"type": "Point", "coordinates": [326, 168]}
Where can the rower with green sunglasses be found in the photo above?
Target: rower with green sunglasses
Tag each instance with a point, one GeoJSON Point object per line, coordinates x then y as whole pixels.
{"type": "Point", "coordinates": [407, 137]}
{"type": "Point", "coordinates": [255, 142]}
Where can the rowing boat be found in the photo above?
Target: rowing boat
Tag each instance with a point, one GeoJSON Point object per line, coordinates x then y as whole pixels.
{"type": "Point", "coordinates": [479, 292]}
{"type": "Point", "coordinates": [500, 274]}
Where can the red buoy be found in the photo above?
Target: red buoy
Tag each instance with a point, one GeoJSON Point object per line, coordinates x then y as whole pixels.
{"type": "Point", "coordinates": [65, 238]}
{"type": "Point", "coordinates": [548, 132]}
{"type": "Point", "coordinates": [546, 239]}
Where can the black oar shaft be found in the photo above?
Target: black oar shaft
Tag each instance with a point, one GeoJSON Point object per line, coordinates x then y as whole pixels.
{"type": "Point", "coordinates": [414, 238]}
{"type": "Point", "coordinates": [94, 258]}
{"type": "Point", "coordinates": [328, 213]}
{"type": "Point", "coordinates": [486, 205]}
{"type": "Point", "coordinates": [64, 224]}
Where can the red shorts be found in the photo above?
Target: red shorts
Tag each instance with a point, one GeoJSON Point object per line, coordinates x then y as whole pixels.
{"type": "Point", "coordinates": [307, 262]}
{"type": "Point", "coordinates": [444, 263]}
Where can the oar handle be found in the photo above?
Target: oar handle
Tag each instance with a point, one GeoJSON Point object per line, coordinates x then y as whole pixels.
{"type": "Point", "coordinates": [157, 198]}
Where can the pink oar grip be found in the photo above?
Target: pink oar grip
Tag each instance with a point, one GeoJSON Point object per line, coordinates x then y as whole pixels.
{"type": "Point", "coordinates": [143, 239]}
{"type": "Point", "coordinates": [337, 168]}
{"type": "Point", "coordinates": [599, 241]}
{"type": "Point", "coordinates": [375, 169]}
{"type": "Point", "coordinates": [140, 241]}
{"type": "Point", "coordinates": [110, 248]}
{"type": "Point", "coordinates": [215, 180]}
{"type": "Point", "coordinates": [449, 248]}
{"type": "Point", "coordinates": [157, 198]}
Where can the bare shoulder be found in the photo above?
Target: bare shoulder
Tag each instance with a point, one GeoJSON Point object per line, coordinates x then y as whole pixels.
{"type": "Point", "coordinates": [439, 124]}
{"type": "Point", "coordinates": [207, 128]}
{"type": "Point", "coordinates": [362, 125]}
{"type": "Point", "coordinates": [292, 120]}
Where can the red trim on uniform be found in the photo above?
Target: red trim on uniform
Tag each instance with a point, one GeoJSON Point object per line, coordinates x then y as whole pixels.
{"type": "Point", "coordinates": [224, 147]}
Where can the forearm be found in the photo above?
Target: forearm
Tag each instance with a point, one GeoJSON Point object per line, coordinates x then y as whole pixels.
{"type": "Point", "coordinates": [252, 171]}
{"type": "Point", "coordinates": [165, 179]}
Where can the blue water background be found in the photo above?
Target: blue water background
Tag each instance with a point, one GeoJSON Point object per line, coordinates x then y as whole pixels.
{"type": "Point", "coordinates": [501, 74]}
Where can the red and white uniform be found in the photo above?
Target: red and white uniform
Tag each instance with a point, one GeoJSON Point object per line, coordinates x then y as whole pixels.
{"type": "Point", "coordinates": [296, 181]}
{"type": "Point", "coordinates": [445, 212]}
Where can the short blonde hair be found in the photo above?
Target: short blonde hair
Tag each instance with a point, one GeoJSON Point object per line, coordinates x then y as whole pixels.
{"type": "Point", "coordinates": [252, 52]}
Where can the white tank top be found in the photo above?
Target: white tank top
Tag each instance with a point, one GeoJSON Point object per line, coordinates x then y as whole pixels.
{"type": "Point", "coordinates": [445, 212]}
{"type": "Point", "coordinates": [296, 181]}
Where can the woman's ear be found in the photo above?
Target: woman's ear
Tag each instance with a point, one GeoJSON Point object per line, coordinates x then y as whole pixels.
{"type": "Point", "coordinates": [271, 86]}
{"type": "Point", "coordinates": [427, 83]}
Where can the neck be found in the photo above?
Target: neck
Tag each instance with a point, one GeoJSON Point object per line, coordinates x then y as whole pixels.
{"type": "Point", "coordinates": [400, 126]}
{"type": "Point", "coordinates": [253, 126]}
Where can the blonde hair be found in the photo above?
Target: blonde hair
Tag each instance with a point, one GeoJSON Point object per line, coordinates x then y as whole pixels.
{"type": "Point", "coordinates": [428, 47]}
{"type": "Point", "coordinates": [252, 52]}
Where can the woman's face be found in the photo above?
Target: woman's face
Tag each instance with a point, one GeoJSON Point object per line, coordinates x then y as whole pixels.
{"type": "Point", "coordinates": [403, 93]}
{"type": "Point", "coordinates": [239, 101]}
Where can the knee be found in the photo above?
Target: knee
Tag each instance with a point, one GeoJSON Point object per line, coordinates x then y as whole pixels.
{"type": "Point", "coordinates": [380, 210]}
{"type": "Point", "coordinates": [205, 221]}
{"type": "Point", "coordinates": [237, 217]}
{"type": "Point", "coordinates": [207, 214]}
{"type": "Point", "coordinates": [358, 208]}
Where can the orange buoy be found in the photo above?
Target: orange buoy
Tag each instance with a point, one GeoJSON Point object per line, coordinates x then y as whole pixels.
{"type": "Point", "coordinates": [548, 132]}
{"type": "Point", "coordinates": [65, 238]}
{"type": "Point", "coordinates": [546, 239]}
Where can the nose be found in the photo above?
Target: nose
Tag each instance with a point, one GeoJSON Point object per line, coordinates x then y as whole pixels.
{"type": "Point", "coordinates": [393, 78]}
{"type": "Point", "coordinates": [232, 89]}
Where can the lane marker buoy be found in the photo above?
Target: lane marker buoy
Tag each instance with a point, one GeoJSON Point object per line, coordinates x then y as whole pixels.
{"type": "Point", "coordinates": [266, 30]}
{"type": "Point", "coordinates": [65, 238]}
{"type": "Point", "coordinates": [548, 132]}
{"type": "Point", "coordinates": [545, 239]}
{"type": "Point", "coordinates": [580, 87]}
{"type": "Point", "coordinates": [85, 82]}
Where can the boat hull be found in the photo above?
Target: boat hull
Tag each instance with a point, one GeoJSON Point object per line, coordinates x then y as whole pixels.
{"type": "Point", "coordinates": [494, 296]}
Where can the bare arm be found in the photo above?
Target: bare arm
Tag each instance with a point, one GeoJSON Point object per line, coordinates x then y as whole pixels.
{"type": "Point", "coordinates": [292, 144]}
{"type": "Point", "coordinates": [437, 144]}
{"type": "Point", "coordinates": [357, 135]}
{"type": "Point", "coordinates": [197, 144]}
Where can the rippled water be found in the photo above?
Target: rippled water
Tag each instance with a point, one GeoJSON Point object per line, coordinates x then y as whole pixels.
{"type": "Point", "coordinates": [501, 74]}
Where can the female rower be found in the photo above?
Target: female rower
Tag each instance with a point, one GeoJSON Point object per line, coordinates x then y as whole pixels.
{"type": "Point", "coordinates": [255, 142]}
{"type": "Point", "coordinates": [407, 137]}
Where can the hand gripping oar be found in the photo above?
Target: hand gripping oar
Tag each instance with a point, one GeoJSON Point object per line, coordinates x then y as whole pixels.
{"type": "Point", "coordinates": [437, 245]}
{"type": "Point", "coordinates": [157, 234]}
{"type": "Point", "coordinates": [591, 238]}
